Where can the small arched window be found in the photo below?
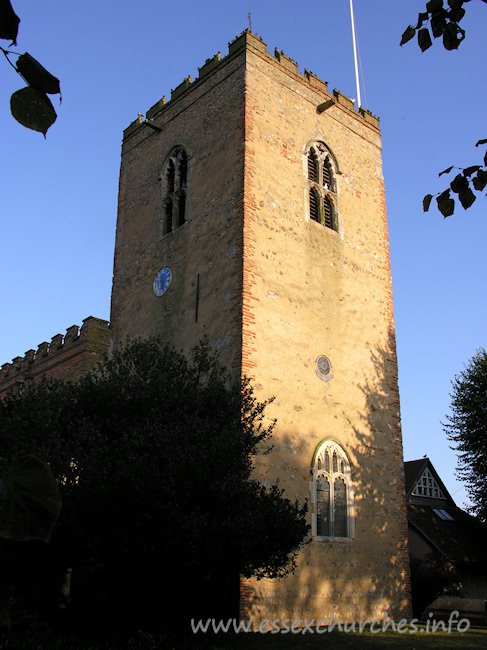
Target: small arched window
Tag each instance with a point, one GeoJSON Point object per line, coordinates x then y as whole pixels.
{"type": "Point", "coordinates": [331, 492]}
{"type": "Point", "coordinates": [174, 180]}
{"type": "Point", "coordinates": [322, 186]}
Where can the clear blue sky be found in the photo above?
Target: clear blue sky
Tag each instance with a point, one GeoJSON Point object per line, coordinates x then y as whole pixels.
{"type": "Point", "coordinates": [58, 198]}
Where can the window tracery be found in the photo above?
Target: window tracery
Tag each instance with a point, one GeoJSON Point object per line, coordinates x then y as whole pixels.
{"type": "Point", "coordinates": [322, 186]}
{"type": "Point", "coordinates": [331, 492]}
{"type": "Point", "coordinates": [174, 178]}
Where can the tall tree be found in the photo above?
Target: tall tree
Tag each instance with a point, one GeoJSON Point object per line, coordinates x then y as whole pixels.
{"type": "Point", "coordinates": [154, 457]}
{"type": "Point", "coordinates": [467, 428]}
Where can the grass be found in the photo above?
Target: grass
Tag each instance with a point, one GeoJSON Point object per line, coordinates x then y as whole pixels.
{"type": "Point", "coordinates": [44, 639]}
{"type": "Point", "coordinates": [475, 638]}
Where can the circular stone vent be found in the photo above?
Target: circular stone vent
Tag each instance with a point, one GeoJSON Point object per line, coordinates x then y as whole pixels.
{"type": "Point", "coordinates": [323, 368]}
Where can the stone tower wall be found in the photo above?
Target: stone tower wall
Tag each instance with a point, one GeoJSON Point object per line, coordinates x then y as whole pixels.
{"type": "Point", "coordinates": [311, 291]}
{"type": "Point", "coordinates": [204, 254]}
{"type": "Point", "coordinates": [275, 291]}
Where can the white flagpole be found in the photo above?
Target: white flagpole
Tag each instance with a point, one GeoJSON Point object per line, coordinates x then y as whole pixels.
{"type": "Point", "coordinates": [357, 84]}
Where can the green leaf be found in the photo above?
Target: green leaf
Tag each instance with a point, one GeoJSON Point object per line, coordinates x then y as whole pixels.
{"type": "Point", "coordinates": [33, 109]}
{"type": "Point", "coordinates": [9, 22]}
{"type": "Point", "coordinates": [426, 202]}
{"type": "Point", "coordinates": [468, 171]}
{"type": "Point", "coordinates": [421, 19]}
{"type": "Point", "coordinates": [446, 205]}
{"type": "Point", "coordinates": [452, 36]}
{"type": "Point", "coordinates": [434, 5]}
{"type": "Point", "coordinates": [481, 142]}
{"type": "Point", "coordinates": [459, 183]}
{"type": "Point", "coordinates": [480, 181]}
{"type": "Point", "coordinates": [438, 24]}
{"type": "Point", "coordinates": [457, 14]}
{"type": "Point", "coordinates": [408, 35]}
{"type": "Point", "coordinates": [446, 171]}
{"type": "Point", "coordinates": [466, 197]}
{"type": "Point", "coordinates": [450, 41]}
{"type": "Point", "coordinates": [424, 39]}
{"type": "Point", "coordinates": [36, 75]}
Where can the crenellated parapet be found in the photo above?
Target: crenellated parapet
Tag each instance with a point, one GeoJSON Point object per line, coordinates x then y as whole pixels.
{"type": "Point", "coordinates": [65, 357]}
{"type": "Point", "coordinates": [249, 40]}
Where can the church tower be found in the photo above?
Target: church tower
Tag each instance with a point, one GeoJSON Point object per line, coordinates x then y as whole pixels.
{"type": "Point", "coordinates": [252, 210]}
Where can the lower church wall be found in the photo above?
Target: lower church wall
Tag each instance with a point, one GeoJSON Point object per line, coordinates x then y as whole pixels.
{"type": "Point", "coordinates": [349, 583]}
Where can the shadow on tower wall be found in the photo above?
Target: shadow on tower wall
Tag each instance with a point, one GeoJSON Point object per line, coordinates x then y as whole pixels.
{"type": "Point", "coordinates": [367, 576]}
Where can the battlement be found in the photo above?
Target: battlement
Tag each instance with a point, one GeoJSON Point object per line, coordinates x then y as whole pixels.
{"type": "Point", "coordinates": [249, 40]}
{"type": "Point", "coordinates": [66, 357]}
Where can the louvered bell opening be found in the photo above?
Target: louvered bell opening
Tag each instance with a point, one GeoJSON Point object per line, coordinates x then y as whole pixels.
{"type": "Point", "coordinates": [171, 173]}
{"type": "Point", "coordinates": [181, 208]}
{"type": "Point", "coordinates": [327, 176]}
{"type": "Point", "coordinates": [183, 169]}
{"type": "Point", "coordinates": [168, 215]}
{"type": "Point", "coordinates": [312, 166]}
{"type": "Point", "coordinates": [314, 206]}
{"type": "Point", "coordinates": [328, 213]}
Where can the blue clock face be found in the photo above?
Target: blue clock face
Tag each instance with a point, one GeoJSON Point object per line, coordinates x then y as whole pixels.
{"type": "Point", "coordinates": [162, 281]}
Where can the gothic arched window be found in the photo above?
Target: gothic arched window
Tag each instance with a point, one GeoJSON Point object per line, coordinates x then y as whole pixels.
{"type": "Point", "coordinates": [331, 492]}
{"type": "Point", "coordinates": [322, 186]}
{"type": "Point", "coordinates": [174, 181]}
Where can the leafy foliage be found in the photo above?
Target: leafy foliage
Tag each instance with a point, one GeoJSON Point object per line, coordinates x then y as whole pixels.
{"type": "Point", "coordinates": [30, 106]}
{"type": "Point", "coordinates": [29, 500]}
{"type": "Point", "coordinates": [469, 179]}
{"type": "Point", "coordinates": [441, 19]}
{"type": "Point", "coordinates": [467, 428]}
{"type": "Point", "coordinates": [432, 577]}
{"type": "Point", "coordinates": [153, 454]}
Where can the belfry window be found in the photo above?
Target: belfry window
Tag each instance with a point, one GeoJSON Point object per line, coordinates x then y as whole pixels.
{"type": "Point", "coordinates": [331, 492]}
{"type": "Point", "coordinates": [174, 180]}
{"type": "Point", "coordinates": [322, 186]}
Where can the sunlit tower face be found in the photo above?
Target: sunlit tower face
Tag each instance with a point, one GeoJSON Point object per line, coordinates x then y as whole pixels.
{"type": "Point", "coordinates": [252, 211]}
